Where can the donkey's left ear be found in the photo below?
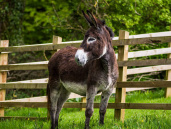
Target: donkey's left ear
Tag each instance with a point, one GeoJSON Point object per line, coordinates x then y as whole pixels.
{"type": "Point", "coordinates": [88, 19]}
{"type": "Point", "coordinates": [97, 23]}
{"type": "Point", "coordinates": [93, 18]}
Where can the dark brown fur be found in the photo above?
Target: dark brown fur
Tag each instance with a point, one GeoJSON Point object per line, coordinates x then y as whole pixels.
{"type": "Point", "coordinates": [99, 74]}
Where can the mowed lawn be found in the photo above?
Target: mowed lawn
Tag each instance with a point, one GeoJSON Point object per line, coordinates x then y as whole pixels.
{"type": "Point", "coordinates": [74, 118]}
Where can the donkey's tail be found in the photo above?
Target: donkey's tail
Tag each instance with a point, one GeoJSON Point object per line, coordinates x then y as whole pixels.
{"type": "Point", "coordinates": [48, 101]}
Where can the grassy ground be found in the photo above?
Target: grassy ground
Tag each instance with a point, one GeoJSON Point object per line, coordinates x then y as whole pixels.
{"type": "Point", "coordinates": [74, 119]}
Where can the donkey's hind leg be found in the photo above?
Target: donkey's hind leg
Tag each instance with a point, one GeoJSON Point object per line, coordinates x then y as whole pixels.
{"type": "Point", "coordinates": [55, 90]}
{"type": "Point", "coordinates": [64, 95]}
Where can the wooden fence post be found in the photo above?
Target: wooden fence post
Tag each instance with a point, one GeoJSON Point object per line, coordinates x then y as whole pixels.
{"type": "Point", "coordinates": [3, 74]}
{"type": "Point", "coordinates": [168, 75]}
{"type": "Point", "coordinates": [83, 100]}
{"type": "Point", "coordinates": [57, 40]}
{"type": "Point", "coordinates": [121, 92]}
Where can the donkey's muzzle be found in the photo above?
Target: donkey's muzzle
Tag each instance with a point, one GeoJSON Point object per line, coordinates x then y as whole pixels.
{"type": "Point", "coordinates": [81, 57]}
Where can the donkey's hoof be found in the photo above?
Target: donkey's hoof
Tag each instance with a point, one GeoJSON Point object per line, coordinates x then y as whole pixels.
{"type": "Point", "coordinates": [101, 123]}
{"type": "Point", "coordinates": [86, 127]}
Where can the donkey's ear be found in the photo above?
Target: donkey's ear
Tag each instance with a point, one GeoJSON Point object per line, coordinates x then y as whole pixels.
{"type": "Point", "coordinates": [97, 23]}
{"type": "Point", "coordinates": [103, 22]}
{"type": "Point", "coordinates": [110, 32]}
{"type": "Point", "coordinates": [93, 18]}
{"type": "Point", "coordinates": [88, 19]}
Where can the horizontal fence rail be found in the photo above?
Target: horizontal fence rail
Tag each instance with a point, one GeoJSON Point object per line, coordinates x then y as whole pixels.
{"type": "Point", "coordinates": [143, 84]}
{"type": "Point", "coordinates": [148, 69]}
{"type": "Point", "coordinates": [50, 46]}
{"type": "Point", "coordinates": [122, 42]}
{"type": "Point", "coordinates": [157, 34]}
{"type": "Point", "coordinates": [163, 106]}
{"type": "Point", "coordinates": [39, 47]}
{"type": "Point", "coordinates": [149, 52]}
{"type": "Point", "coordinates": [158, 106]}
{"type": "Point", "coordinates": [145, 62]}
{"type": "Point", "coordinates": [23, 85]}
{"type": "Point", "coordinates": [44, 65]}
{"type": "Point", "coordinates": [119, 85]}
{"type": "Point", "coordinates": [24, 66]}
{"type": "Point", "coordinates": [130, 71]}
{"type": "Point", "coordinates": [21, 118]}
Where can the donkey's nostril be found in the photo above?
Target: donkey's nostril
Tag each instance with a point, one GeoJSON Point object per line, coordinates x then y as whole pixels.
{"type": "Point", "coordinates": [77, 60]}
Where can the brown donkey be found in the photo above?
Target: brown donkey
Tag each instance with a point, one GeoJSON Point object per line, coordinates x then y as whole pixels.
{"type": "Point", "coordinates": [86, 71]}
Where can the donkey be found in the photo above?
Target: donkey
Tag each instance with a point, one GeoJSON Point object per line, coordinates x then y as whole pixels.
{"type": "Point", "coordinates": [86, 71]}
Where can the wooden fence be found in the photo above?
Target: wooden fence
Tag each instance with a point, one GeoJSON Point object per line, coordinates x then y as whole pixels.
{"type": "Point", "coordinates": [123, 42]}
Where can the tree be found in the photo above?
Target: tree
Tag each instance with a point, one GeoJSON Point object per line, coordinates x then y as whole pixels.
{"type": "Point", "coordinates": [38, 20]}
{"type": "Point", "coordinates": [11, 15]}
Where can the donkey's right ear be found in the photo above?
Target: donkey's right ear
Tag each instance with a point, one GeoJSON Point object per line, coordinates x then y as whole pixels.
{"type": "Point", "coordinates": [88, 19]}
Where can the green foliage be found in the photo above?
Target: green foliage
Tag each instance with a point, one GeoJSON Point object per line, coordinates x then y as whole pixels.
{"type": "Point", "coordinates": [38, 20]}
{"type": "Point", "coordinates": [11, 15]}
{"type": "Point", "coordinates": [42, 18]}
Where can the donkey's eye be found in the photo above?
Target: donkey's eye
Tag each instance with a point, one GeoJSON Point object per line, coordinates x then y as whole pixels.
{"type": "Point", "coordinates": [91, 40]}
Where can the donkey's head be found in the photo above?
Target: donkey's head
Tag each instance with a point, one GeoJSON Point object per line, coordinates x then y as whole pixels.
{"type": "Point", "coordinates": [97, 40]}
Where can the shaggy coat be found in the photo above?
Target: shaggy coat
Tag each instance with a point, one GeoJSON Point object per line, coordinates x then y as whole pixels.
{"type": "Point", "coordinates": [86, 71]}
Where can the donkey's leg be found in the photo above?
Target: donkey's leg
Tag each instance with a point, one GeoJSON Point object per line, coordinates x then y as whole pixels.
{"type": "Point", "coordinates": [90, 95]}
{"type": "Point", "coordinates": [104, 102]}
{"type": "Point", "coordinates": [55, 90]}
{"type": "Point", "coordinates": [64, 95]}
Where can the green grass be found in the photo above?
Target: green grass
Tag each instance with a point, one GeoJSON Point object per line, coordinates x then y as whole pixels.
{"type": "Point", "coordinates": [74, 119]}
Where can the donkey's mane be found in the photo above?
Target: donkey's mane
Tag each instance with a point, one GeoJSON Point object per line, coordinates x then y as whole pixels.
{"type": "Point", "coordinates": [108, 28]}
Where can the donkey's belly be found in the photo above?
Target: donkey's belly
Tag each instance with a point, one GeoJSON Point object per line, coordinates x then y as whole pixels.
{"type": "Point", "coordinates": [81, 88]}
{"type": "Point", "coordinates": [78, 88]}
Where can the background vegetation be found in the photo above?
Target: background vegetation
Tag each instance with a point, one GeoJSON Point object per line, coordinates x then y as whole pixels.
{"type": "Point", "coordinates": [25, 22]}
{"type": "Point", "coordinates": [36, 21]}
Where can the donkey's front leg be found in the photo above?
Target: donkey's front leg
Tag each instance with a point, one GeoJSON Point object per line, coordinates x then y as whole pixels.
{"type": "Point", "coordinates": [90, 95]}
{"type": "Point", "coordinates": [104, 102]}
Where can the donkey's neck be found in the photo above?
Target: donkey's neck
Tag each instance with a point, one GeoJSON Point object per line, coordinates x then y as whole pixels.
{"type": "Point", "coordinates": [108, 60]}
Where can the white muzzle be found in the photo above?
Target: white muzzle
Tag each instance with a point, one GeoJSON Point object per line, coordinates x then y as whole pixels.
{"type": "Point", "coordinates": [81, 57]}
